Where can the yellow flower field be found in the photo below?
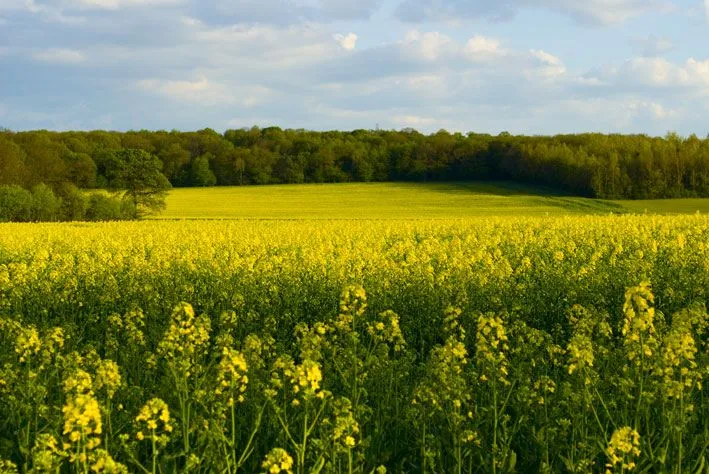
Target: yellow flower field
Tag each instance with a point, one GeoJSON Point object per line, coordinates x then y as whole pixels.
{"type": "Point", "coordinates": [486, 344]}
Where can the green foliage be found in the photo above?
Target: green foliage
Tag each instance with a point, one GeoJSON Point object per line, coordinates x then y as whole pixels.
{"type": "Point", "coordinates": [138, 174]}
{"type": "Point", "coordinates": [102, 207]}
{"type": "Point", "coordinates": [45, 204]}
{"type": "Point", "coordinates": [74, 203]}
{"type": "Point", "coordinates": [591, 165]}
{"type": "Point", "coordinates": [12, 163]}
{"type": "Point", "coordinates": [200, 174]}
{"type": "Point", "coordinates": [16, 204]}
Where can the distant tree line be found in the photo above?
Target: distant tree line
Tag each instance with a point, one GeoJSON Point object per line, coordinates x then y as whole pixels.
{"type": "Point", "coordinates": [594, 165]}
{"type": "Point", "coordinates": [42, 204]}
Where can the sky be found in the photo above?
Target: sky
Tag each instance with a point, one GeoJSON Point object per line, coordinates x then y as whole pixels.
{"type": "Point", "coordinates": [522, 66]}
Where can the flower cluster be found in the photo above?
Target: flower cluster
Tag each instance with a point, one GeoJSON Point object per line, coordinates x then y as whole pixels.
{"type": "Point", "coordinates": [491, 348]}
{"type": "Point", "coordinates": [638, 322]}
{"type": "Point", "coordinates": [47, 456]}
{"type": "Point", "coordinates": [353, 301]}
{"type": "Point", "coordinates": [107, 378]}
{"type": "Point", "coordinates": [82, 421]}
{"type": "Point", "coordinates": [580, 349]}
{"type": "Point", "coordinates": [278, 461]}
{"type": "Point", "coordinates": [185, 339]}
{"type": "Point", "coordinates": [101, 462]}
{"type": "Point", "coordinates": [312, 340]}
{"type": "Point", "coordinates": [27, 343]}
{"type": "Point", "coordinates": [345, 428]}
{"type": "Point", "coordinates": [386, 329]}
{"type": "Point", "coordinates": [678, 367]}
{"type": "Point", "coordinates": [154, 418]}
{"type": "Point", "coordinates": [623, 448]}
{"type": "Point", "coordinates": [128, 328]}
{"type": "Point", "coordinates": [231, 376]}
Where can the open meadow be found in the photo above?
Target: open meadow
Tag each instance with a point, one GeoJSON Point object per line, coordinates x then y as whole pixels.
{"type": "Point", "coordinates": [401, 201]}
{"type": "Point", "coordinates": [358, 328]}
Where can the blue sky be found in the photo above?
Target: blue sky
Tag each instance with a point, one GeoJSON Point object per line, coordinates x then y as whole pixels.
{"type": "Point", "coordinates": [524, 66]}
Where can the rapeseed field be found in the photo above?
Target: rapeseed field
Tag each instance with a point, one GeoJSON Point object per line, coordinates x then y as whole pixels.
{"type": "Point", "coordinates": [476, 345]}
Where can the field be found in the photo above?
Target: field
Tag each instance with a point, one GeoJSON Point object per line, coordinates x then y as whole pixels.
{"type": "Point", "coordinates": [345, 340]}
{"type": "Point", "coordinates": [399, 201]}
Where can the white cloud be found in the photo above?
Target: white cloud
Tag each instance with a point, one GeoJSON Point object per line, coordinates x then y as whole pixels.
{"type": "Point", "coordinates": [348, 42]}
{"type": "Point", "coordinates": [430, 45]}
{"type": "Point", "coordinates": [657, 72]}
{"type": "Point", "coordinates": [206, 92]}
{"type": "Point", "coordinates": [479, 53]}
{"type": "Point", "coordinates": [59, 55]}
{"type": "Point", "coordinates": [265, 45]}
{"type": "Point", "coordinates": [480, 47]}
{"type": "Point", "coordinates": [413, 121]}
{"type": "Point", "coordinates": [550, 66]}
{"type": "Point", "coordinates": [609, 115]}
{"type": "Point", "coordinates": [600, 12]}
{"type": "Point", "coordinates": [706, 8]}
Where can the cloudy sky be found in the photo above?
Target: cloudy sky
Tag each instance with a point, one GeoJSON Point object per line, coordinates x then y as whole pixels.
{"type": "Point", "coordinates": [525, 66]}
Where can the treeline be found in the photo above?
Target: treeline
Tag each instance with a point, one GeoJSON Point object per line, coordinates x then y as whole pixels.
{"type": "Point", "coordinates": [42, 204]}
{"type": "Point", "coordinates": [596, 165]}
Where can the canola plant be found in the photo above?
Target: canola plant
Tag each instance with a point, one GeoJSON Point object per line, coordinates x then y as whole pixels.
{"type": "Point", "coordinates": [557, 344]}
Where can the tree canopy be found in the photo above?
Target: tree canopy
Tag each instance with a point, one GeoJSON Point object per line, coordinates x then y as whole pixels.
{"type": "Point", "coordinates": [139, 174]}
{"type": "Point", "coordinates": [596, 165]}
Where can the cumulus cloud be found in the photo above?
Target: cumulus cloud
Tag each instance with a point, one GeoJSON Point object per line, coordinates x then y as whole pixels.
{"type": "Point", "coordinates": [288, 63]}
{"type": "Point", "coordinates": [205, 92]}
{"type": "Point", "coordinates": [599, 12]}
{"type": "Point", "coordinates": [59, 55]}
{"type": "Point", "coordinates": [480, 47]}
{"type": "Point", "coordinates": [429, 45]}
{"type": "Point", "coordinates": [693, 75]}
{"type": "Point", "coordinates": [348, 42]}
{"type": "Point", "coordinates": [549, 66]}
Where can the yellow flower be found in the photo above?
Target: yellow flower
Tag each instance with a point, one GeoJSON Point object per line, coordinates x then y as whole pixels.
{"type": "Point", "coordinates": [623, 448]}
{"type": "Point", "coordinates": [278, 461]}
{"type": "Point", "coordinates": [108, 377]}
{"type": "Point", "coordinates": [150, 414]}
{"type": "Point", "coordinates": [82, 419]}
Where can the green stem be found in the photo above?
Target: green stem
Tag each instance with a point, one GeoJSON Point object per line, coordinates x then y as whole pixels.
{"type": "Point", "coordinates": [495, 420]}
{"type": "Point", "coordinates": [155, 451]}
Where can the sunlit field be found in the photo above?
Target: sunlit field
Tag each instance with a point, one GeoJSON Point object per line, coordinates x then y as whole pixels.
{"type": "Point", "coordinates": [488, 344]}
{"type": "Point", "coordinates": [375, 201]}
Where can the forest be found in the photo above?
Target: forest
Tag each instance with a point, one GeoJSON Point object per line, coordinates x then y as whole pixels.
{"type": "Point", "coordinates": [593, 165]}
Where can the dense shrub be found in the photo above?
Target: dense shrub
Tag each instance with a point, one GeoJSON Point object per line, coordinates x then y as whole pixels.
{"type": "Point", "coordinates": [102, 207]}
{"type": "Point", "coordinates": [16, 204]}
{"type": "Point", "coordinates": [75, 203]}
{"type": "Point", "coordinates": [46, 205]}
